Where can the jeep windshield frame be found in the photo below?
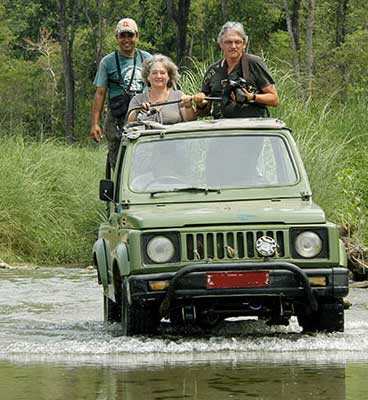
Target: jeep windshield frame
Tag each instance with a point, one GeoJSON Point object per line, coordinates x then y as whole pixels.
{"type": "Point", "coordinates": [185, 158]}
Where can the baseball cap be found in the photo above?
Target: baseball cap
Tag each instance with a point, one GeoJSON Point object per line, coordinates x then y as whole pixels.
{"type": "Point", "coordinates": [126, 25]}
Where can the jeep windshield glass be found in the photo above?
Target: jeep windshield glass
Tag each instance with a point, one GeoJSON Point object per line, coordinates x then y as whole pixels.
{"type": "Point", "coordinates": [215, 162]}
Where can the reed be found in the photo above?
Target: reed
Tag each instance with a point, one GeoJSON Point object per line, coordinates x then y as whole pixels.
{"type": "Point", "coordinates": [49, 201]}
{"type": "Point", "coordinates": [333, 138]}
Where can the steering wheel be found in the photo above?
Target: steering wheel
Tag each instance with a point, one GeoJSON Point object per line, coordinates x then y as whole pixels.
{"type": "Point", "coordinates": [169, 179]}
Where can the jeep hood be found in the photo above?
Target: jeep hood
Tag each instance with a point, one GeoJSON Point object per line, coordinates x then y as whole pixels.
{"type": "Point", "coordinates": [284, 211]}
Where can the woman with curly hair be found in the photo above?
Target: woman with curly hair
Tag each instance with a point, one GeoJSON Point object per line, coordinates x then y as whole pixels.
{"type": "Point", "coordinates": [161, 76]}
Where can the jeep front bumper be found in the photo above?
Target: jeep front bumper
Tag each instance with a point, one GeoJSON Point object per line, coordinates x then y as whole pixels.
{"type": "Point", "coordinates": [285, 280]}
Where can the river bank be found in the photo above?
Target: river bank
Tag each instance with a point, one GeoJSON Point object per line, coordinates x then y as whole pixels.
{"type": "Point", "coordinates": [5, 265]}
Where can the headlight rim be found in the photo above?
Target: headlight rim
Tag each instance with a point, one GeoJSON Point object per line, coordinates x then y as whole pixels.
{"type": "Point", "coordinates": [322, 232]}
{"type": "Point", "coordinates": [172, 236]}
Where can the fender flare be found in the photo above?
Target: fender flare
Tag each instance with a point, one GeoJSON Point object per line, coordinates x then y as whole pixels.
{"type": "Point", "coordinates": [102, 259]}
{"type": "Point", "coordinates": [122, 258]}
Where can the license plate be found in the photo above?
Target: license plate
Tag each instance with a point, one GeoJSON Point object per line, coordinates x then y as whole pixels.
{"type": "Point", "coordinates": [233, 279]}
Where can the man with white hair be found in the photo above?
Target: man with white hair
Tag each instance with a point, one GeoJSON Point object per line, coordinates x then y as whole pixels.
{"type": "Point", "coordinates": [242, 80]}
{"type": "Point", "coordinates": [120, 75]}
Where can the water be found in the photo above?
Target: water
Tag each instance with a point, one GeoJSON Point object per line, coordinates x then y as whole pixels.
{"type": "Point", "coordinates": [53, 345]}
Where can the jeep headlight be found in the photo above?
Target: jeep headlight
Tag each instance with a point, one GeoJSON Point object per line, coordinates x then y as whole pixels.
{"type": "Point", "coordinates": [160, 249]}
{"type": "Point", "coordinates": [308, 244]}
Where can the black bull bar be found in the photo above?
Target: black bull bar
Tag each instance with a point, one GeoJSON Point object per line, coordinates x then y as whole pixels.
{"type": "Point", "coordinates": [311, 299]}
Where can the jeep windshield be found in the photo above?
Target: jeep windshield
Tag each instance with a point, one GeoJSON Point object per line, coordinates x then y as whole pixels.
{"type": "Point", "coordinates": [211, 163]}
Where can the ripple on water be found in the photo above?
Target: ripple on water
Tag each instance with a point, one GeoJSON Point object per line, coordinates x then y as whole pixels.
{"type": "Point", "coordinates": [58, 318]}
{"type": "Point", "coordinates": [90, 338]}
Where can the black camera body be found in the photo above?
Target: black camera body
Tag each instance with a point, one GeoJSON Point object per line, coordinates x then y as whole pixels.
{"type": "Point", "coordinates": [235, 87]}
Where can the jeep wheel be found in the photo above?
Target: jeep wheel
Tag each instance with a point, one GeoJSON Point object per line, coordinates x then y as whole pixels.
{"type": "Point", "coordinates": [328, 318]}
{"type": "Point", "coordinates": [137, 319]}
{"type": "Point", "coordinates": [127, 315]}
{"type": "Point", "coordinates": [111, 310]}
{"type": "Point", "coordinates": [209, 320]}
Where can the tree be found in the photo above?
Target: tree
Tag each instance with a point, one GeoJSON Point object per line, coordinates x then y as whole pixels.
{"type": "Point", "coordinates": [341, 21]}
{"type": "Point", "coordinates": [224, 8]}
{"type": "Point", "coordinates": [293, 27]}
{"type": "Point", "coordinates": [179, 12]}
{"type": "Point", "coordinates": [98, 14]}
{"type": "Point", "coordinates": [324, 41]}
{"type": "Point", "coordinates": [67, 14]}
{"type": "Point", "coordinates": [309, 50]}
{"type": "Point", "coordinates": [46, 47]}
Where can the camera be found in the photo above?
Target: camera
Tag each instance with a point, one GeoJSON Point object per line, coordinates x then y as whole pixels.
{"type": "Point", "coordinates": [234, 87]}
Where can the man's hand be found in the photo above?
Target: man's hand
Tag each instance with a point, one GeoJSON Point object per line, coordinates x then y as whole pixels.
{"type": "Point", "coordinates": [98, 102]}
{"type": "Point", "coordinates": [249, 96]}
{"type": "Point", "coordinates": [96, 133]}
{"type": "Point", "coordinates": [199, 99]}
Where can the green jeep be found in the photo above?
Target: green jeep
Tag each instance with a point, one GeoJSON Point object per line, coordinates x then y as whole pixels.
{"type": "Point", "coordinates": [214, 219]}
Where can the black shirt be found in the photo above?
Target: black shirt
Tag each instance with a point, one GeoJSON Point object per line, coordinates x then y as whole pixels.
{"type": "Point", "coordinates": [258, 77]}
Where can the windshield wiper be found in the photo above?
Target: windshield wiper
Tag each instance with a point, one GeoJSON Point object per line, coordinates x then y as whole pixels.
{"type": "Point", "coordinates": [188, 189]}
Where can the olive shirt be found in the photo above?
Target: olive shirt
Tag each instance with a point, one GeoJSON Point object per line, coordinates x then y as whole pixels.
{"type": "Point", "coordinates": [259, 77]}
{"type": "Point", "coordinates": [167, 114]}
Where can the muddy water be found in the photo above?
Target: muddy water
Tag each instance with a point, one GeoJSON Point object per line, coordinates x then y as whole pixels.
{"type": "Point", "coordinates": [53, 345]}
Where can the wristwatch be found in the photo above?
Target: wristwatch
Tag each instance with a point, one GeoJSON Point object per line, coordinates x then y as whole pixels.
{"type": "Point", "coordinates": [254, 99]}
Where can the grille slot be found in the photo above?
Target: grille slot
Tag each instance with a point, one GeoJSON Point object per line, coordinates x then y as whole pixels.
{"type": "Point", "coordinates": [231, 245]}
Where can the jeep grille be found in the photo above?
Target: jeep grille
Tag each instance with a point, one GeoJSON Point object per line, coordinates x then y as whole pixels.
{"type": "Point", "coordinates": [228, 245]}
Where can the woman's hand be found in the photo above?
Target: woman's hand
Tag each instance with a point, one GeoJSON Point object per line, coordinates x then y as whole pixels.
{"type": "Point", "coordinates": [146, 106]}
{"type": "Point", "coordinates": [186, 101]}
{"type": "Point", "coordinates": [133, 115]}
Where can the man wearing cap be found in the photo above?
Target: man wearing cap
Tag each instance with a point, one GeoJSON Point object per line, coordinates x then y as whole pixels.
{"type": "Point", "coordinates": [128, 64]}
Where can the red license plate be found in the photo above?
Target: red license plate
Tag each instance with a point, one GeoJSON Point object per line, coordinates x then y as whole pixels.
{"type": "Point", "coordinates": [234, 279]}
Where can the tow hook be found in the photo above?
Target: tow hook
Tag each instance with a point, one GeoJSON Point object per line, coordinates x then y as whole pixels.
{"type": "Point", "coordinates": [189, 313]}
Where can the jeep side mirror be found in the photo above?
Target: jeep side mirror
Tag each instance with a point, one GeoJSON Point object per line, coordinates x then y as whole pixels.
{"type": "Point", "coordinates": [106, 190]}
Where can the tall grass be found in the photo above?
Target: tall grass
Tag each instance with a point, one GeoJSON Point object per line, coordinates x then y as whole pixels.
{"type": "Point", "coordinates": [192, 76]}
{"type": "Point", "coordinates": [333, 139]}
{"type": "Point", "coordinates": [49, 207]}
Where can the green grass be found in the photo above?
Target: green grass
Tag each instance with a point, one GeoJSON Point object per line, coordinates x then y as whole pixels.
{"type": "Point", "coordinates": [333, 140]}
{"type": "Point", "coordinates": [49, 207]}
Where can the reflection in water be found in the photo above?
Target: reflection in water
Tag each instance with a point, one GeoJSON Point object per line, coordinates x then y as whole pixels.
{"type": "Point", "coordinates": [200, 381]}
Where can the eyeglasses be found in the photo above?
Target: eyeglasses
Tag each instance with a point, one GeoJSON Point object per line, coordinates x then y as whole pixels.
{"type": "Point", "coordinates": [125, 34]}
{"type": "Point", "coordinates": [236, 42]}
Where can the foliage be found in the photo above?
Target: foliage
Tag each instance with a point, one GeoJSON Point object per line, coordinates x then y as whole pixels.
{"type": "Point", "coordinates": [340, 67]}
{"type": "Point", "coordinates": [25, 97]}
{"type": "Point", "coordinates": [191, 77]}
{"type": "Point", "coordinates": [352, 211]}
{"type": "Point", "coordinates": [333, 140]}
{"type": "Point", "coordinates": [48, 201]}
